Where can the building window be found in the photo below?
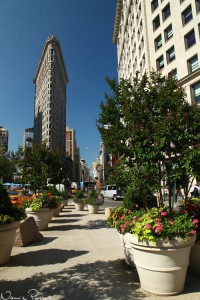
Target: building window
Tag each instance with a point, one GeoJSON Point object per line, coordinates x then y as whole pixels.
{"type": "Point", "coordinates": [160, 63]}
{"type": "Point", "coordinates": [158, 42]}
{"type": "Point", "coordinates": [156, 23]}
{"type": "Point", "coordinates": [190, 39]}
{"type": "Point", "coordinates": [197, 5]}
{"type": "Point", "coordinates": [168, 32]}
{"type": "Point", "coordinates": [154, 5]}
{"type": "Point", "coordinates": [166, 12]}
{"type": "Point", "coordinates": [193, 64]}
{"type": "Point", "coordinates": [173, 74]}
{"type": "Point", "coordinates": [181, 1]}
{"type": "Point", "coordinates": [170, 54]}
{"type": "Point", "coordinates": [187, 15]}
{"type": "Point", "coordinates": [196, 92]}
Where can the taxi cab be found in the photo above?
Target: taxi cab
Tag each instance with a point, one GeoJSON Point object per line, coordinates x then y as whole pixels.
{"type": "Point", "coordinates": [18, 196]}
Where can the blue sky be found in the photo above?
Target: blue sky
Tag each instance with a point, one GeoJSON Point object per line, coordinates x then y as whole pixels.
{"type": "Point", "coordinates": [84, 29]}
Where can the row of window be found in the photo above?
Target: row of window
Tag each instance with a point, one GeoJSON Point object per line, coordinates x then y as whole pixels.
{"type": "Point", "coordinates": [192, 63]}
{"type": "Point", "coordinates": [155, 4]}
{"type": "Point", "coordinates": [189, 38]}
{"type": "Point", "coordinates": [166, 12]}
{"type": "Point", "coordinates": [170, 56]}
{"type": "Point", "coordinates": [186, 15]}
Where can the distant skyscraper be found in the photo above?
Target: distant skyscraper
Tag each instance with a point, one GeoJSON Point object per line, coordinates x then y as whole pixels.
{"type": "Point", "coordinates": [50, 98]}
{"type": "Point", "coordinates": [3, 140]}
{"type": "Point", "coordinates": [28, 137]}
{"type": "Point", "coordinates": [72, 155]}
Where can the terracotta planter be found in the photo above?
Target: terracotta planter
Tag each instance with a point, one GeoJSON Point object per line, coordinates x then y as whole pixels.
{"type": "Point", "coordinates": [162, 266]}
{"type": "Point", "coordinates": [93, 209]}
{"type": "Point", "coordinates": [7, 238]}
{"type": "Point", "coordinates": [79, 206]}
{"type": "Point", "coordinates": [194, 265]}
{"type": "Point", "coordinates": [42, 216]}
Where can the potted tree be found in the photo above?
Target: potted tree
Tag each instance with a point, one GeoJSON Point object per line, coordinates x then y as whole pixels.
{"type": "Point", "coordinates": [93, 201]}
{"type": "Point", "coordinates": [79, 200]}
{"type": "Point", "coordinates": [10, 217]}
{"type": "Point", "coordinates": [150, 125]}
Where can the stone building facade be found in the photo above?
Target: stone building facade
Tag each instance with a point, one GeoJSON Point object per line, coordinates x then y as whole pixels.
{"type": "Point", "coordinates": [160, 35]}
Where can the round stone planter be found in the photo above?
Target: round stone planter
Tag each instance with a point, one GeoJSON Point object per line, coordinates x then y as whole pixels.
{"type": "Point", "coordinates": [108, 211]}
{"type": "Point", "coordinates": [65, 203]}
{"type": "Point", "coordinates": [128, 249]}
{"type": "Point", "coordinates": [42, 216]}
{"type": "Point", "coordinates": [7, 238]}
{"type": "Point", "coordinates": [194, 265]}
{"type": "Point", "coordinates": [56, 211]}
{"type": "Point", "coordinates": [79, 206]}
{"type": "Point", "coordinates": [93, 209]}
{"type": "Point", "coordinates": [162, 266]}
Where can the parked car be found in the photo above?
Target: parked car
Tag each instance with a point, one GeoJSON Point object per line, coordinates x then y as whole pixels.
{"type": "Point", "coordinates": [18, 196]}
{"type": "Point", "coordinates": [113, 192]}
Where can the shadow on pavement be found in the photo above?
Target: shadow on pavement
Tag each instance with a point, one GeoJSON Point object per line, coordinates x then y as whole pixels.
{"type": "Point", "coordinates": [64, 221]}
{"type": "Point", "coordinates": [97, 224]}
{"type": "Point", "coordinates": [43, 257]}
{"type": "Point", "coordinates": [64, 227]}
{"type": "Point", "coordinates": [92, 281]}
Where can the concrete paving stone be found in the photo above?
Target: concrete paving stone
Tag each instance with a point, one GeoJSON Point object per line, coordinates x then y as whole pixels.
{"type": "Point", "coordinates": [80, 258]}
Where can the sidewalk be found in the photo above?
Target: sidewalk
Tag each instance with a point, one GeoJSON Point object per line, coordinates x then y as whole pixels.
{"type": "Point", "coordinates": [80, 258]}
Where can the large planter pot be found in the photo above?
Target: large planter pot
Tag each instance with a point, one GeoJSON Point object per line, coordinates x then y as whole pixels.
{"type": "Point", "coordinates": [108, 211]}
{"type": "Point", "coordinates": [93, 209]}
{"type": "Point", "coordinates": [42, 216]}
{"type": "Point", "coordinates": [126, 239]}
{"type": "Point", "coordinates": [7, 238]}
{"type": "Point", "coordinates": [194, 265]}
{"type": "Point", "coordinates": [79, 206]}
{"type": "Point", "coordinates": [162, 266]}
{"type": "Point", "coordinates": [57, 210]}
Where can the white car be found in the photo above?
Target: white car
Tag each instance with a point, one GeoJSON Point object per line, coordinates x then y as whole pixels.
{"type": "Point", "coordinates": [110, 191]}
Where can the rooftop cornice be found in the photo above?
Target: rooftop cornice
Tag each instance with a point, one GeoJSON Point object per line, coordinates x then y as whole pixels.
{"type": "Point", "coordinates": [117, 20]}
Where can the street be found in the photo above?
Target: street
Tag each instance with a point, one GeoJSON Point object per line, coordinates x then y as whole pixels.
{"type": "Point", "coordinates": [111, 203]}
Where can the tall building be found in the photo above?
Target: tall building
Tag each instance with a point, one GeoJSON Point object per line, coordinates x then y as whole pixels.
{"type": "Point", "coordinates": [28, 137]}
{"type": "Point", "coordinates": [160, 35]}
{"type": "Point", "coordinates": [72, 155]}
{"type": "Point", "coordinates": [3, 140]}
{"type": "Point", "coordinates": [50, 98]}
{"type": "Point", "coordinates": [70, 142]}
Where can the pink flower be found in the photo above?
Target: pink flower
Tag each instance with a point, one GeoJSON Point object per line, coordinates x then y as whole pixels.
{"type": "Point", "coordinates": [193, 232]}
{"type": "Point", "coordinates": [195, 221]}
{"type": "Point", "coordinates": [163, 213]}
{"type": "Point", "coordinates": [147, 226]}
{"type": "Point", "coordinates": [171, 222]}
{"type": "Point", "coordinates": [158, 219]}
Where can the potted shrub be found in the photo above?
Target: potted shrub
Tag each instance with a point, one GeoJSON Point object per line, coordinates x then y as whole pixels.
{"type": "Point", "coordinates": [41, 209]}
{"type": "Point", "coordinates": [93, 201]}
{"type": "Point", "coordinates": [161, 240]}
{"type": "Point", "coordinates": [79, 200]}
{"type": "Point", "coordinates": [10, 217]}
